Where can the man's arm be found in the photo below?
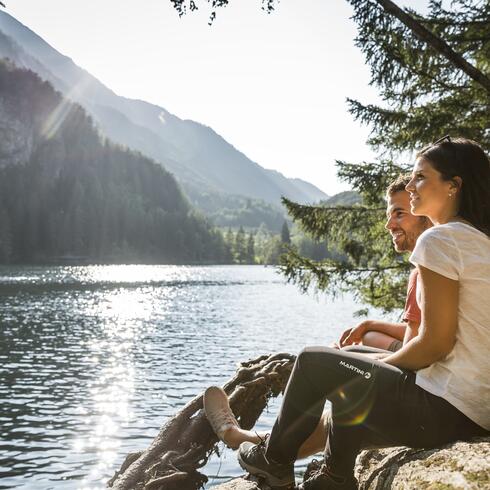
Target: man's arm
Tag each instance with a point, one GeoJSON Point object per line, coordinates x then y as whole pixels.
{"type": "Point", "coordinates": [395, 330]}
{"type": "Point", "coordinates": [354, 335]}
{"type": "Point", "coordinates": [437, 333]}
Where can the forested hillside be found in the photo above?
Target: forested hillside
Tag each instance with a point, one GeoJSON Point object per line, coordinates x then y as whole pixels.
{"type": "Point", "coordinates": [215, 176]}
{"type": "Point", "coordinates": [66, 193]}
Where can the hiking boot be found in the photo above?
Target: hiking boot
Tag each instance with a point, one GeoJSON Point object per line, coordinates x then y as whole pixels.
{"type": "Point", "coordinates": [252, 459]}
{"type": "Point", "coordinates": [218, 412]}
{"type": "Point", "coordinates": [323, 479]}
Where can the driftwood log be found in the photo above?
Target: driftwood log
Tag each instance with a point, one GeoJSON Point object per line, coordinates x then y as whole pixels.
{"type": "Point", "coordinates": [186, 441]}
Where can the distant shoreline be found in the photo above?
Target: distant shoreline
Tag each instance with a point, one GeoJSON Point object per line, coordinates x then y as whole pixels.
{"type": "Point", "coordinates": [93, 262]}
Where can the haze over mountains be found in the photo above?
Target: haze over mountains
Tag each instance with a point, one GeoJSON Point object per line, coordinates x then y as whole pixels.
{"type": "Point", "coordinates": [67, 194]}
{"type": "Point", "coordinates": [213, 174]}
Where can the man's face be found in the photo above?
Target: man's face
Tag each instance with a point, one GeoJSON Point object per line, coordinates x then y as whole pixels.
{"type": "Point", "coordinates": [403, 226]}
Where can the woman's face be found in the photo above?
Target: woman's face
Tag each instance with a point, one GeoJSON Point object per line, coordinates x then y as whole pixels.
{"type": "Point", "coordinates": [430, 195]}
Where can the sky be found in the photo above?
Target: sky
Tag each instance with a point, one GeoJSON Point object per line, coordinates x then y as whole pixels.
{"type": "Point", "coordinates": [273, 85]}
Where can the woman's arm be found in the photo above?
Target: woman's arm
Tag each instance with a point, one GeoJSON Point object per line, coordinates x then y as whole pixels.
{"type": "Point", "coordinates": [411, 331]}
{"type": "Point", "coordinates": [437, 332]}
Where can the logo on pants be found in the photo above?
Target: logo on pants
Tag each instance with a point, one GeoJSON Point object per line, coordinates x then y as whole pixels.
{"type": "Point", "coordinates": [366, 374]}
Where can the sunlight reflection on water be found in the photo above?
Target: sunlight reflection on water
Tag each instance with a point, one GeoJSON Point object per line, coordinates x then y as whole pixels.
{"type": "Point", "coordinates": [94, 359]}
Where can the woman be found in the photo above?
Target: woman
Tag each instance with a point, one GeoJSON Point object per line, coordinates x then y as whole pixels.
{"type": "Point", "coordinates": [438, 383]}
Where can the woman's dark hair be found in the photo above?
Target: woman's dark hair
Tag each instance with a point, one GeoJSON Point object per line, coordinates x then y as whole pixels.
{"type": "Point", "coordinates": [460, 157]}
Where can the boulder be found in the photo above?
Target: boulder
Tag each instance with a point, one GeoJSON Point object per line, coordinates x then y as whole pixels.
{"type": "Point", "coordinates": [460, 465]}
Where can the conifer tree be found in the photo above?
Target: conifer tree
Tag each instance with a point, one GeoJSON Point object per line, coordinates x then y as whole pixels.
{"type": "Point", "coordinates": [426, 94]}
{"type": "Point", "coordinates": [78, 196]}
{"type": "Point", "coordinates": [285, 235]}
{"type": "Point", "coordinates": [240, 246]}
{"type": "Point", "coordinates": [433, 75]}
{"type": "Point", "coordinates": [5, 237]}
{"type": "Point", "coordinates": [251, 249]}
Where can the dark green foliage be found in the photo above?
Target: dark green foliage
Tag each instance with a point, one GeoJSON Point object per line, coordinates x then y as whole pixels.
{"type": "Point", "coordinates": [425, 95]}
{"type": "Point", "coordinates": [314, 249]}
{"type": "Point", "coordinates": [285, 236]}
{"type": "Point", "coordinates": [80, 197]}
{"type": "Point", "coordinates": [5, 237]}
{"type": "Point", "coordinates": [250, 249]}
{"type": "Point", "coordinates": [184, 6]}
{"type": "Point", "coordinates": [383, 287]}
{"type": "Point", "coordinates": [226, 210]}
{"type": "Point", "coordinates": [362, 259]}
{"type": "Point", "coordinates": [370, 180]}
{"type": "Point", "coordinates": [240, 248]}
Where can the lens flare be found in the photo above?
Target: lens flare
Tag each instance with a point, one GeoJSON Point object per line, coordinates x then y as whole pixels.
{"type": "Point", "coordinates": [353, 402]}
{"type": "Point", "coordinates": [61, 111]}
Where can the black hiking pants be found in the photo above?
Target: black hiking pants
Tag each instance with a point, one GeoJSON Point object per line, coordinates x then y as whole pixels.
{"type": "Point", "coordinates": [373, 403]}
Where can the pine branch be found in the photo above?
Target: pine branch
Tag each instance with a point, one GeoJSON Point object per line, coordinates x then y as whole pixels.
{"type": "Point", "coordinates": [371, 179]}
{"type": "Point", "coordinates": [436, 42]}
{"type": "Point", "coordinates": [381, 286]}
{"type": "Point", "coordinates": [331, 222]}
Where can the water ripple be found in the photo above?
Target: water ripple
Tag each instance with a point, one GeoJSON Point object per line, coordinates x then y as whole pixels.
{"type": "Point", "coordinates": [94, 359]}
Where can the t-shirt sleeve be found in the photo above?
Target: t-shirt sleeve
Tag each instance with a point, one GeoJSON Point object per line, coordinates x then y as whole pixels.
{"type": "Point", "coordinates": [437, 250]}
{"type": "Point", "coordinates": [411, 312]}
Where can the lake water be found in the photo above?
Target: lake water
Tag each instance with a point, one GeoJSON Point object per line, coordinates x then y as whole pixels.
{"type": "Point", "coordinates": [94, 359]}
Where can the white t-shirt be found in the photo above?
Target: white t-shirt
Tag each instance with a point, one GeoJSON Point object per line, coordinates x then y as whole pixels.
{"type": "Point", "coordinates": [461, 252]}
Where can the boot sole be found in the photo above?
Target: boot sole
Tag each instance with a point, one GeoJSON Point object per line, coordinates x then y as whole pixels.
{"type": "Point", "coordinates": [271, 480]}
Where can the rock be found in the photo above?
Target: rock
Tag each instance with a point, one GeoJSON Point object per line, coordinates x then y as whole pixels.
{"type": "Point", "coordinates": [239, 484]}
{"type": "Point", "coordinates": [460, 465]}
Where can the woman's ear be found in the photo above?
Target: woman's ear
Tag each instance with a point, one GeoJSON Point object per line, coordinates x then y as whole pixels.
{"type": "Point", "coordinates": [457, 182]}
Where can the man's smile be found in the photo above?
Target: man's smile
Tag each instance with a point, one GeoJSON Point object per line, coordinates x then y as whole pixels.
{"type": "Point", "coordinates": [397, 234]}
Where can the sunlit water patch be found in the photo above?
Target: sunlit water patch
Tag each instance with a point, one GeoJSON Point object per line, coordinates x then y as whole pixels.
{"type": "Point", "coordinates": [94, 359]}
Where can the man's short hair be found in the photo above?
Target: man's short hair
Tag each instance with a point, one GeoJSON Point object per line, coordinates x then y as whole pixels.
{"type": "Point", "coordinates": [398, 184]}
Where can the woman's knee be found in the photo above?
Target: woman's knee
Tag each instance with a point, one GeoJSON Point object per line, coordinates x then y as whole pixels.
{"type": "Point", "coordinates": [313, 356]}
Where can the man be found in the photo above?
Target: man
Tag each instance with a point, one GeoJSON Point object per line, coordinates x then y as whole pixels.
{"type": "Point", "coordinates": [404, 229]}
{"type": "Point", "coordinates": [359, 389]}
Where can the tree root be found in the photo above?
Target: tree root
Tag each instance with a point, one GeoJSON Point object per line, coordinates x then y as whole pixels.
{"type": "Point", "coordinates": [186, 441]}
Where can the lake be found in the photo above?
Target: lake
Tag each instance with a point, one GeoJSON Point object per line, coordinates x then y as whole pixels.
{"type": "Point", "coordinates": [94, 359]}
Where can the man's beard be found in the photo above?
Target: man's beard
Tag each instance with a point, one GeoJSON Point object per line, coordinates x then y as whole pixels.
{"type": "Point", "coordinates": [405, 246]}
{"type": "Point", "coordinates": [410, 239]}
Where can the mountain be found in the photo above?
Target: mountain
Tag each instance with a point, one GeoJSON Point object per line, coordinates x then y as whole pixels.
{"type": "Point", "coordinates": [66, 192]}
{"type": "Point", "coordinates": [315, 194]}
{"type": "Point", "coordinates": [345, 198]}
{"type": "Point", "coordinates": [203, 162]}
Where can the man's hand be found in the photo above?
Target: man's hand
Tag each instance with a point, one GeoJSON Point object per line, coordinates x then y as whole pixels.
{"type": "Point", "coordinates": [354, 335]}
